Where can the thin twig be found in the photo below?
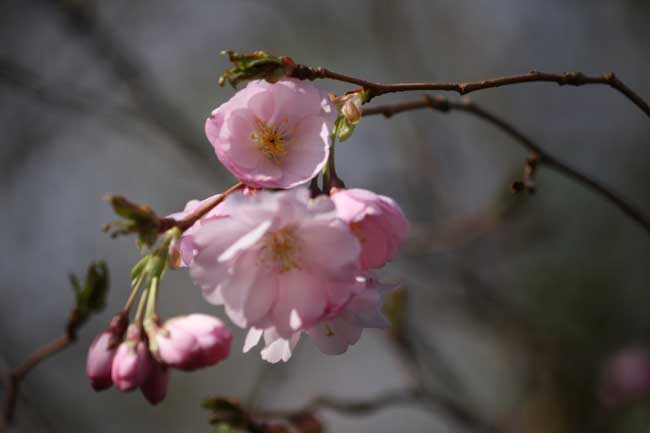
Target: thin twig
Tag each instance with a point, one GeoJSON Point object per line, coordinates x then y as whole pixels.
{"type": "Point", "coordinates": [463, 88]}
{"type": "Point", "coordinates": [19, 373]}
{"type": "Point", "coordinates": [360, 407]}
{"type": "Point", "coordinates": [187, 222]}
{"type": "Point", "coordinates": [541, 156]}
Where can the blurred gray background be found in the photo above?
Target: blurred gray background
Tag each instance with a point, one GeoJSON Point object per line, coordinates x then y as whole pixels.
{"type": "Point", "coordinates": [523, 297]}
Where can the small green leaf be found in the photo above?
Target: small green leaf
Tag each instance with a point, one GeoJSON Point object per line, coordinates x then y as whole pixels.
{"type": "Point", "coordinates": [91, 298]}
{"type": "Point", "coordinates": [140, 219]}
{"type": "Point", "coordinates": [253, 66]}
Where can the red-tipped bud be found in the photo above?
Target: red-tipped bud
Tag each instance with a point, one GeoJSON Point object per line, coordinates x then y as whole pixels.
{"type": "Point", "coordinates": [154, 388]}
{"type": "Point", "coordinates": [132, 362]}
{"type": "Point", "coordinates": [193, 342]}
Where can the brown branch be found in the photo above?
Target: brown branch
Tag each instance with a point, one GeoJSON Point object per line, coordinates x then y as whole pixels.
{"type": "Point", "coordinates": [18, 374]}
{"type": "Point", "coordinates": [539, 155]}
{"type": "Point", "coordinates": [564, 79]}
{"type": "Point", "coordinates": [361, 407]}
{"type": "Point", "coordinates": [187, 222]}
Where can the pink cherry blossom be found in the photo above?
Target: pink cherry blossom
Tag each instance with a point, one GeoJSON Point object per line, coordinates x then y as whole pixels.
{"type": "Point", "coordinates": [343, 327]}
{"type": "Point", "coordinates": [377, 221]}
{"type": "Point", "coordinates": [273, 135]}
{"type": "Point", "coordinates": [132, 362]}
{"type": "Point", "coordinates": [154, 387]}
{"type": "Point", "coordinates": [193, 342]}
{"type": "Point", "coordinates": [278, 261]}
{"type": "Point", "coordinates": [340, 327]}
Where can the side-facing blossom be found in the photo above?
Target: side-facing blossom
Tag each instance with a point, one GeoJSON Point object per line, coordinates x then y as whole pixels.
{"type": "Point", "coordinates": [192, 342]}
{"type": "Point", "coordinates": [278, 261]}
{"type": "Point", "coordinates": [338, 329]}
{"type": "Point", "coordinates": [273, 135]}
{"type": "Point", "coordinates": [378, 222]}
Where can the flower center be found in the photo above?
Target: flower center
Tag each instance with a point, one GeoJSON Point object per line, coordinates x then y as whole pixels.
{"type": "Point", "coordinates": [283, 247]}
{"type": "Point", "coordinates": [272, 140]}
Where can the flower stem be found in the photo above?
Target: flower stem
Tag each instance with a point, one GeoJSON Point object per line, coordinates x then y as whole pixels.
{"type": "Point", "coordinates": [139, 316]}
{"type": "Point", "coordinates": [152, 297]}
{"type": "Point", "coordinates": [134, 291]}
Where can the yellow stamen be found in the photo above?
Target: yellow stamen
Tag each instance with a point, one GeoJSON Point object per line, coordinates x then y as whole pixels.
{"type": "Point", "coordinates": [284, 249]}
{"type": "Point", "coordinates": [272, 140]}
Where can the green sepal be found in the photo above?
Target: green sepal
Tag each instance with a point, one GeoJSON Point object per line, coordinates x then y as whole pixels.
{"type": "Point", "coordinates": [342, 129]}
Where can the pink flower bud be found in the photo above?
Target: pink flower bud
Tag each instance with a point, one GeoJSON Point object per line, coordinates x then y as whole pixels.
{"type": "Point", "coordinates": [132, 362]}
{"type": "Point", "coordinates": [100, 360]}
{"type": "Point", "coordinates": [102, 352]}
{"type": "Point", "coordinates": [154, 388]}
{"type": "Point", "coordinates": [351, 109]}
{"type": "Point", "coordinates": [192, 342]}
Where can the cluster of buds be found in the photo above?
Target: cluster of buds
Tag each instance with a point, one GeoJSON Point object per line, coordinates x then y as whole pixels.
{"type": "Point", "coordinates": [139, 355]}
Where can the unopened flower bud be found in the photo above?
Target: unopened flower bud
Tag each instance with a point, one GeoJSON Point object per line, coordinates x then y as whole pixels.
{"type": "Point", "coordinates": [102, 352]}
{"type": "Point", "coordinates": [154, 388]}
{"type": "Point", "coordinates": [193, 342]}
{"type": "Point", "coordinates": [100, 360]}
{"type": "Point", "coordinates": [132, 362]}
{"type": "Point", "coordinates": [351, 109]}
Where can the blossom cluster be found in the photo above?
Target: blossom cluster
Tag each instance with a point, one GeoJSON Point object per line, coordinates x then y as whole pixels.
{"type": "Point", "coordinates": [281, 259]}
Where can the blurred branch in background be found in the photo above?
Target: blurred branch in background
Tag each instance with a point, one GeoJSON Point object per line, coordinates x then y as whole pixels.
{"type": "Point", "coordinates": [89, 299]}
{"type": "Point", "coordinates": [150, 103]}
{"type": "Point", "coordinates": [538, 155]}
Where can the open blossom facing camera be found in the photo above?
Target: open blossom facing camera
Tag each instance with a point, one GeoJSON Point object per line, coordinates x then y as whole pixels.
{"type": "Point", "coordinates": [278, 261]}
{"type": "Point", "coordinates": [376, 219]}
{"type": "Point", "coordinates": [273, 135]}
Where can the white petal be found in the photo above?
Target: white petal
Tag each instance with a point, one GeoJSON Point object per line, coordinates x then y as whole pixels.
{"type": "Point", "coordinates": [252, 338]}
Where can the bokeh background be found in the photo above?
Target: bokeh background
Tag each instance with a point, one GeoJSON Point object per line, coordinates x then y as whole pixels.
{"type": "Point", "coordinates": [518, 301]}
